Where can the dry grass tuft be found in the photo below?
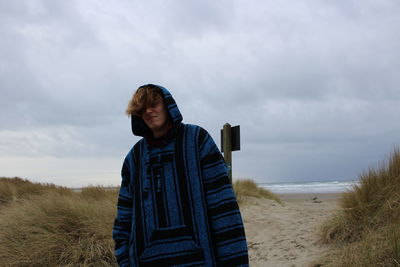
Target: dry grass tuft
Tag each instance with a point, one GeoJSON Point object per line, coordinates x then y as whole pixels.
{"type": "Point", "coordinates": [15, 189]}
{"type": "Point", "coordinates": [248, 188]}
{"type": "Point", "coordinates": [366, 228]}
{"type": "Point", "coordinates": [55, 228]}
{"type": "Point", "coordinates": [99, 193]}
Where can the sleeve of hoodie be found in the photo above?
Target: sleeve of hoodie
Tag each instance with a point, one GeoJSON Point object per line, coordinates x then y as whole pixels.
{"type": "Point", "coordinates": [224, 216]}
{"type": "Point", "coordinates": [123, 221]}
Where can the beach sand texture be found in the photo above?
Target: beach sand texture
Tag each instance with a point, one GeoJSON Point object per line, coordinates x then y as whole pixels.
{"type": "Point", "coordinates": [280, 236]}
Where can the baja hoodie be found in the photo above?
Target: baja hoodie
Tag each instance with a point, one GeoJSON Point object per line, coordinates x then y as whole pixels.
{"type": "Point", "coordinates": [176, 206]}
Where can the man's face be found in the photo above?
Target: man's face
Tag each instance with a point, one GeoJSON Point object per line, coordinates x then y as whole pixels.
{"type": "Point", "coordinates": [155, 116]}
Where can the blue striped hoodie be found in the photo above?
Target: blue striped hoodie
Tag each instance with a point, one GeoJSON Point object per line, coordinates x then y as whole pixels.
{"type": "Point", "coordinates": [176, 206]}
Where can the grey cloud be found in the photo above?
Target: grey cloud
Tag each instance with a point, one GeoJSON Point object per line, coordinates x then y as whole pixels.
{"type": "Point", "coordinates": [197, 19]}
{"type": "Point", "coordinates": [311, 83]}
{"type": "Point", "coordinates": [39, 35]}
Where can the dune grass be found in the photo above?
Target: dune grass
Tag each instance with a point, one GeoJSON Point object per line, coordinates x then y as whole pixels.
{"type": "Point", "coordinates": [99, 193]}
{"type": "Point", "coordinates": [15, 189]}
{"type": "Point", "coordinates": [248, 188]}
{"type": "Point", "coordinates": [53, 226]}
{"type": "Point", "coordinates": [48, 225]}
{"type": "Point", "coordinates": [366, 228]}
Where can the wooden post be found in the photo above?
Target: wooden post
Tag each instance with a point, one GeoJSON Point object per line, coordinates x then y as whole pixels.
{"type": "Point", "coordinates": [228, 148]}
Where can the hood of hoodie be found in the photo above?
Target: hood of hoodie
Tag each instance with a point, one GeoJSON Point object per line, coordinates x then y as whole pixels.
{"type": "Point", "coordinates": [139, 127]}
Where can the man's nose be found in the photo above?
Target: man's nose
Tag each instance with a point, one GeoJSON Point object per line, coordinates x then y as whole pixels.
{"type": "Point", "coordinates": [148, 110]}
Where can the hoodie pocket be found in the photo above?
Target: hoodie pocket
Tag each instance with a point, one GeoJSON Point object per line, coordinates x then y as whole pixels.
{"type": "Point", "coordinates": [170, 247]}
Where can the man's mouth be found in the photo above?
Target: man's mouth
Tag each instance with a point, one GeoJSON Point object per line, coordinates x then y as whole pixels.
{"type": "Point", "coordinates": [152, 118]}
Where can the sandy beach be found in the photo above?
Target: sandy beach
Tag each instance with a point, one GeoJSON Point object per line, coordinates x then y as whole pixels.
{"type": "Point", "coordinates": [285, 235]}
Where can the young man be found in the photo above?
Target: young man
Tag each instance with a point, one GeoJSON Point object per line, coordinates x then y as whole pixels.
{"type": "Point", "coordinates": [176, 206]}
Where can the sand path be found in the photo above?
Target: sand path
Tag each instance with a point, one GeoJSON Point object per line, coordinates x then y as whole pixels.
{"type": "Point", "coordinates": [285, 235]}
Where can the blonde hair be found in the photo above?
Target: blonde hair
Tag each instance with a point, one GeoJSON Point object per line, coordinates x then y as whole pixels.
{"type": "Point", "coordinates": [143, 97]}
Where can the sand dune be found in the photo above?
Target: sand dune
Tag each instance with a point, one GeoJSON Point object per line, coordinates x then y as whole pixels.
{"type": "Point", "coordinates": [286, 235]}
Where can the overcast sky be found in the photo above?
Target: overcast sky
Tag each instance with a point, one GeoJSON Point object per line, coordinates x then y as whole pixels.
{"type": "Point", "coordinates": [314, 85]}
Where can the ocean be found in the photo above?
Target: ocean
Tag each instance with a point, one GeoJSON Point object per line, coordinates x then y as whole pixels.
{"type": "Point", "coordinates": [309, 187]}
